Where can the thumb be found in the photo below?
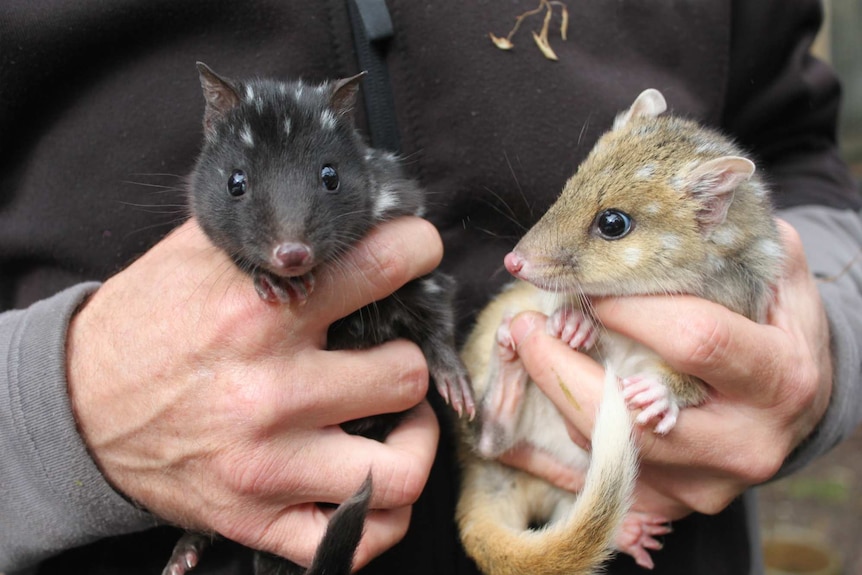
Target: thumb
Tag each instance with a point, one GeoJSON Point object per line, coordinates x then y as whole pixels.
{"type": "Point", "coordinates": [572, 380]}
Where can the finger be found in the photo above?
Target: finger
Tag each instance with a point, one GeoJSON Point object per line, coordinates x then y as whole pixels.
{"type": "Point", "coordinates": [679, 491]}
{"type": "Point", "coordinates": [297, 533]}
{"type": "Point", "coordinates": [383, 529]}
{"type": "Point", "coordinates": [720, 435]}
{"type": "Point", "coordinates": [388, 378]}
{"type": "Point", "coordinates": [542, 464]}
{"type": "Point", "coordinates": [391, 255]}
{"type": "Point", "coordinates": [732, 353]}
{"type": "Point", "coordinates": [335, 463]}
{"type": "Point", "coordinates": [572, 380]}
{"type": "Point", "coordinates": [405, 459]}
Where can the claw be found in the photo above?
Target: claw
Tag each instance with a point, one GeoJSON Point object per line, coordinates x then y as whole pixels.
{"type": "Point", "coordinates": [277, 289]}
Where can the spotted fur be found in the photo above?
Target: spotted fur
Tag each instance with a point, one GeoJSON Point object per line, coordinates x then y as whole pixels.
{"type": "Point", "coordinates": [281, 135]}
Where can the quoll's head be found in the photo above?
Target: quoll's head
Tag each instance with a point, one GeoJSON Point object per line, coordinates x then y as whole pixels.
{"type": "Point", "coordinates": [281, 181]}
{"type": "Point", "coordinates": [641, 211]}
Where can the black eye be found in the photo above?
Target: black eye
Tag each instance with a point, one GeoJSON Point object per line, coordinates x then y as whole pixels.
{"type": "Point", "coordinates": [237, 183]}
{"type": "Point", "coordinates": [329, 177]}
{"type": "Point", "coordinates": [613, 224]}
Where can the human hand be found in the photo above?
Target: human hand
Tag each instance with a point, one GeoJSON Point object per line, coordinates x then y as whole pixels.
{"type": "Point", "coordinates": [217, 411]}
{"type": "Point", "coordinates": [769, 386]}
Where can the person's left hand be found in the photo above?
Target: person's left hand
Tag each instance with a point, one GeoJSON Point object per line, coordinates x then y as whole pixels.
{"type": "Point", "coordinates": [769, 387]}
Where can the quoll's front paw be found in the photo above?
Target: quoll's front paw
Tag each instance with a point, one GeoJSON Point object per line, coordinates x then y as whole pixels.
{"type": "Point", "coordinates": [453, 385]}
{"type": "Point", "coordinates": [573, 327]}
{"type": "Point", "coordinates": [649, 394]}
{"type": "Point", "coordinates": [276, 289]}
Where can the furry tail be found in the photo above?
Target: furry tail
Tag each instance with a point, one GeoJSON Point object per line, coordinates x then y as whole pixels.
{"type": "Point", "coordinates": [497, 506]}
{"type": "Point", "coordinates": [334, 555]}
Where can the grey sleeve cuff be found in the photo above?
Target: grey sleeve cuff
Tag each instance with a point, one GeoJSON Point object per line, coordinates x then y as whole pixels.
{"type": "Point", "coordinates": [833, 240]}
{"type": "Point", "coordinates": [53, 495]}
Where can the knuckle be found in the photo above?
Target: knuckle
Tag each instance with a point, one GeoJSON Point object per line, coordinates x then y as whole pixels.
{"type": "Point", "coordinates": [791, 240]}
{"type": "Point", "coordinates": [404, 485]}
{"type": "Point", "coordinates": [713, 503]}
{"type": "Point", "coordinates": [802, 391]}
{"type": "Point", "coordinates": [412, 486]}
{"type": "Point", "coordinates": [254, 475]}
{"type": "Point", "coordinates": [246, 479]}
{"type": "Point", "coordinates": [753, 467]}
{"type": "Point", "coordinates": [762, 469]}
{"type": "Point", "coordinates": [705, 343]}
{"type": "Point", "coordinates": [413, 373]}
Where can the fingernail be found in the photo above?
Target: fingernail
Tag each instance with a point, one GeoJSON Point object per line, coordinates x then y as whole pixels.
{"type": "Point", "coordinates": [522, 326]}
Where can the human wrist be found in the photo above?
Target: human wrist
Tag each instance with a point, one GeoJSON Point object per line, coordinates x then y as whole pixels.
{"type": "Point", "coordinates": [840, 415]}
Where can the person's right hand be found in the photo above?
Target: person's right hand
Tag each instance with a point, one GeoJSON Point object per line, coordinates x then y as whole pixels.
{"type": "Point", "coordinates": [217, 411]}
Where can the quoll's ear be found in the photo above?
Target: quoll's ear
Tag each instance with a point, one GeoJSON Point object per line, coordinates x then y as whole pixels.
{"type": "Point", "coordinates": [650, 103]}
{"type": "Point", "coordinates": [712, 184]}
{"type": "Point", "coordinates": [344, 92]}
{"type": "Point", "coordinates": [220, 94]}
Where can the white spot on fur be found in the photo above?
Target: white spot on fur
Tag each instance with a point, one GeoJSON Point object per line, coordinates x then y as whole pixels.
{"type": "Point", "coordinates": [671, 242]}
{"type": "Point", "coordinates": [327, 120]}
{"type": "Point", "coordinates": [645, 172]}
{"type": "Point", "coordinates": [758, 189]}
{"type": "Point", "coordinates": [632, 256]}
{"type": "Point", "coordinates": [715, 262]}
{"type": "Point", "coordinates": [249, 93]}
{"type": "Point", "coordinates": [725, 236]}
{"type": "Point", "coordinates": [652, 208]}
{"type": "Point", "coordinates": [386, 200]}
{"type": "Point", "coordinates": [288, 125]}
{"type": "Point", "coordinates": [298, 91]}
{"type": "Point", "coordinates": [769, 248]}
{"type": "Point", "coordinates": [246, 137]}
{"type": "Point", "coordinates": [431, 287]}
{"type": "Point", "coordinates": [282, 89]}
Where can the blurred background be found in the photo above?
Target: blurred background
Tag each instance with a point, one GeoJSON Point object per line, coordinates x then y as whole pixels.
{"type": "Point", "coordinates": [811, 522]}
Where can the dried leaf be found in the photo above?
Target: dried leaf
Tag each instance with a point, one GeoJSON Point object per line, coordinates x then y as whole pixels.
{"type": "Point", "coordinates": [543, 45]}
{"type": "Point", "coordinates": [501, 43]}
{"type": "Point", "coordinates": [546, 25]}
{"type": "Point", "coordinates": [564, 27]}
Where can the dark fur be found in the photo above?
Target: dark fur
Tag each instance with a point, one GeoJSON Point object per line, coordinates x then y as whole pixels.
{"type": "Point", "coordinates": [245, 127]}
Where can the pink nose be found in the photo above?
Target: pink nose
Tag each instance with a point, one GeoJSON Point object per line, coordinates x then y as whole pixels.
{"type": "Point", "coordinates": [291, 255]}
{"type": "Point", "coordinates": [514, 263]}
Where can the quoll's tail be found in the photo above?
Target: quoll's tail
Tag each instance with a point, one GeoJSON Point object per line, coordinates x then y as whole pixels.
{"type": "Point", "coordinates": [492, 522]}
{"type": "Point", "coordinates": [334, 555]}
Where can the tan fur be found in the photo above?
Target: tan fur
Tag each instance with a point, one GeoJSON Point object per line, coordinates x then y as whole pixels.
{"type": "Point", "coordinates": [498, 503]}
{"type": "Point", "coordinates": [702, 225]}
